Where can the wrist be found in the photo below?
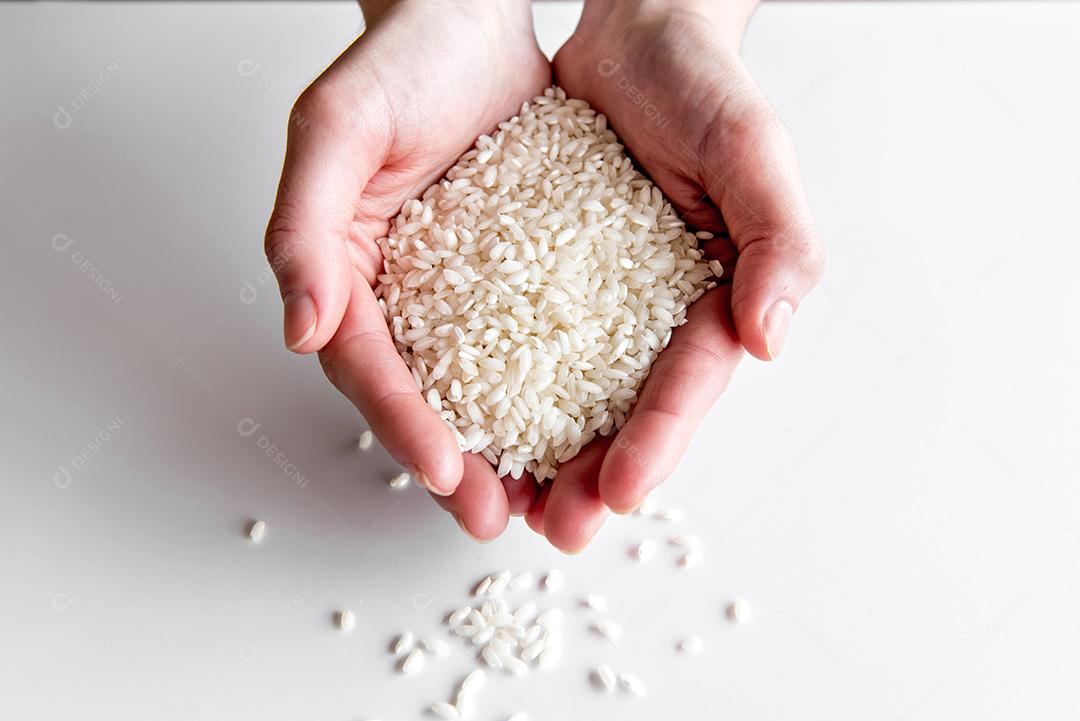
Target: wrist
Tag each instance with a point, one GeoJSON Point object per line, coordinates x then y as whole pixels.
{"type": "Point", "coordinates": [728, 17]}
{"type": "Point", "coordinates": [496, 12]}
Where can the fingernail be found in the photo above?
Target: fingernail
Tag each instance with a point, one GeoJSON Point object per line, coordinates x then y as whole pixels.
{"type": "Point", "coordinates": [465, 530]}
{"type": "Point", "coordinates": [424, 481]}
{"type": "Point", "coordinates": [300, 318]}
{"type": "Point", "coordinates": [775, 327]}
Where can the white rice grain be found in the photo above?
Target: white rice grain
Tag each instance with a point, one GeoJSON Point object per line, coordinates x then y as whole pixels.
{"type": "Point", "coordinates": [365, 440]}
{"type": "Point", "coordinates": [521, 581]}
{"type": "Point", "coordinates": [405, 642]}
{"type": "Point", "coordinates": [645, 550]}
{"type": "Point", "coordinates": [608, 630]}
{"type": "Point", "coordinates": [492, 657]}
{"type": "Point", "coordinates": [668, 514]}
{"type": "Point", "coordinates": [444, 710]}
{"type": "Point", "coordinates": [514, 665]}
{"type": "Point", "coordinates": [475, 680]}
{"type": "Point", "coordinates": [459, 615]}
{"type": "Point", "coordinates": [691, 558]}
{"type": "Point", "coordinates": [595, 602]}
{"type": "Point", "coordinates": [414, 662]}
{"type": "Point", "coordinates": [346, 620]}
{"type": "Point", "coordinates": [257, 531]}
{"type": "Point", "coordinates": [436, 646]}
{"type": "Point", "coordinates": [693, 644]}
{"type": "Point", "coordinates": [531, 290]}
{"type": "Point", "coordinates": [553, 581]}
{"type": "Point", "coordinates": [606, 675]}
{"type": "Point", "coordinates": [632, 683]}
{"type": "Point", "coordinates": [739, 611]}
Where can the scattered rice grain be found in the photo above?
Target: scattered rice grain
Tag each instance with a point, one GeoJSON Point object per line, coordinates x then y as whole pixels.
{"type": "Point", "coordinates": [414, 662]}
{"type": "Point", "coordinates": [346, 620]}
{"type": "Point", "coordinates": [257, 531]}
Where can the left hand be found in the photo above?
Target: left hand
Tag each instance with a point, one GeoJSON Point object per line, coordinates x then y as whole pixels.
{"type": "Point", "coordinates": [675, 91]}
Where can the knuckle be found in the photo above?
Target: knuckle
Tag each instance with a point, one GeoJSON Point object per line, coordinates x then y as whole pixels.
{"type": "Point", "coordinates": [281, 242]}
{"type": "Point", "coordinates": [799, 247]}
{"type": "Point", "coordinates": [321, 104]}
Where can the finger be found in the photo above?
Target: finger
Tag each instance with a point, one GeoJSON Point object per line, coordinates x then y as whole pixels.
{"type": "Point", "coordinates": [687, 377]}
{"type": "Point", "coordinates": [363, 363]}
{"type": "Point", "coordinates": [328, 161]}
{"type": "Point", "coordinates": [752, 175]}
{"type": "Point", "coordinates": [479, 504]}
{"type": "Point", "coordinates": [521, 493]}
{"type": "Point", "coordinates": [534, 517]}
{"type": "Point", "coordinates": [574, 510]}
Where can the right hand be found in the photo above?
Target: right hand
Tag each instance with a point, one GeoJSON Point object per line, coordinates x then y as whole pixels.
{"type": "Point", "coordinates": [380, 125]}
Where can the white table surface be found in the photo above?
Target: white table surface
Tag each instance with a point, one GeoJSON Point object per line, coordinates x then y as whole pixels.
{"type": "Point", "coordinates": [896, 497]}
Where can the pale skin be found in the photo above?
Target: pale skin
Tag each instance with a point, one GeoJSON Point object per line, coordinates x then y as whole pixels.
{"type": "Point", "coordinates": [412, 94]}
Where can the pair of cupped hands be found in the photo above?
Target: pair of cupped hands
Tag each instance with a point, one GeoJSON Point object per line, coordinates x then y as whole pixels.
{"type": "Point", "coordinates": [399, 107]}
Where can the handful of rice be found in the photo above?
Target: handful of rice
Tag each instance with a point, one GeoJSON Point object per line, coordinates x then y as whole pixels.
{"type": "Point", "coordinates": [531, 289]}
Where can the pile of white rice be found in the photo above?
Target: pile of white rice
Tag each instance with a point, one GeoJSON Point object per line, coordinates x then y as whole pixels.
{"type": "Point", "coordinates": [531, 290]}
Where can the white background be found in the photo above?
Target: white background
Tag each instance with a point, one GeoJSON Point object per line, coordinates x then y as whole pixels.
{"type": "Point", "coordinates": [897, 496]}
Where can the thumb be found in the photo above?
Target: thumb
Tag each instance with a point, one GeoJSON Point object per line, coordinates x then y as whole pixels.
{"type": "Point", "coordinates": [752, 177]}
{"type": "Point", "coordinates": [323, 176]}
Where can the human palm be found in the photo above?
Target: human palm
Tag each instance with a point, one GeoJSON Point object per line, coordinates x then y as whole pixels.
{"type": "Point", "coordinates": [677, 94]}
{"type": "Point", "coordinates": [383, 123]}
